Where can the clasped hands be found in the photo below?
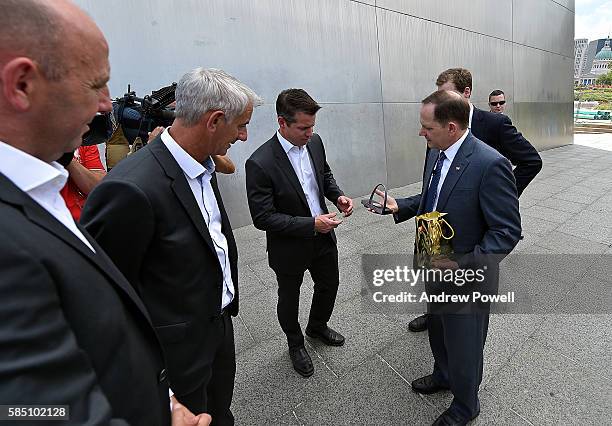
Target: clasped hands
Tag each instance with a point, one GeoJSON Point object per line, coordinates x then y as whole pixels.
{"type": "Point", "coordinates": [326, 222]}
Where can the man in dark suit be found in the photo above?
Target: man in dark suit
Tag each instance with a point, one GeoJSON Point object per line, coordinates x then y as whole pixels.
{"type": "Point", "coordinates": [287, 181]}
{"type": "Point", "coordinates": [497, 131]}
{"type": "Point", "coordinates": [160, 217]}
{"type": "Point", "coordinates": [72, 330]}
{"type": "Point", "coordinates": [474, 185]}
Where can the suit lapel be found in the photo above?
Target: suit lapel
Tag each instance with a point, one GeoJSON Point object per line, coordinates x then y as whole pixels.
{"type": "Point", "coordinates": [457, 167]}
{"type": "Point", "coordinates": [316, 162]}
{"type": "Point", "coordinates": [42, 218]}
{"type": "Point", "coordinates": [181, 189]}
{"type": "Point", "coordinates": [430, 161]}
{"type": "Point", "coordinates": [287, 168]}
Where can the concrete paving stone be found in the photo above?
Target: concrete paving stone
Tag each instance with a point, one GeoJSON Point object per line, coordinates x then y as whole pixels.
{"type": "Point", "coordinates": [286, 419]}
{"type": "Point", "coordinates": [409, 354]}
{"type": "Point", "coordinates": [584, 338]}
{"type": "Point", "coordinates": [576, 197]}
{"type": "Point", "coordinates": [601, 179]}
{"type": "Point", "coordinates": [351, 279]}
{"type": "Point", "coordinates": [582, 188]}
{"type": "Point", "coordinates": [587, 231]}
{"type": "Point", "coordinates": [548, 388]}
{"type": "Point", "coordinates": [248, 232]}
{"type": "Point", "coordinates": [493, 411]}
{"type": "Point", "coordinates": [562, 205]}
{"type": "Point", "coordinates": [526, 202]}
{"type": "Point", "coordinates": [267, 386]}
{"type": "Point", "coordinates": [590, 295]}
{"type": "Point", "coordinates": [536, 225]}
{"type": "Point", "coordinates": [248, 282]}
{"type": "Point", "coordinates": [401, 245]}
{"type": "Point", "coordinates": [536, 289]}
{"type": "Point", "coordinates": [601, 267]}
{"type": "Point", "coordinates": [347, 246]}
{"type": "Point", "coordinates": [370, 394]}
{"type": "Point", "coordinates": [561, 242]}
{"type": "Point", "coordinates": [539, 191]}
{"type": "Point", "coordinates": [258, 313]}
{"type": "Point", "coordinates": [376, 234]}
{"type": "Point", "coordinates": [507, 333]}
{"type": "Point", "coordinates": [252, 250]}
{"type": "Point", "coordinates": [365, 334]}
{"type": "Point", "coordinates": [242, 337]}
{"type": "Point", "coordinates": [263, 272]}
{"type": "Point", "coordinates": [361, 216]}
{"type": "Point", "coordinates": [546, 213]}
{"type": "Point", "coordinates": [558, 183]}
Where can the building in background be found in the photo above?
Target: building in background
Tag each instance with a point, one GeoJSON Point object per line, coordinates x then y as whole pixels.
{"type": "Point", "coordinates": [580, 47]}
{"type": "Point", "coordinates": [595, 62]}
{"type": "Point", "coordinates": [369, 63]}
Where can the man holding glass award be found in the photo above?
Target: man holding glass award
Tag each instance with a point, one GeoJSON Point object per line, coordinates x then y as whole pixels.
{"type": "Point", "coordinates": [467, 212]}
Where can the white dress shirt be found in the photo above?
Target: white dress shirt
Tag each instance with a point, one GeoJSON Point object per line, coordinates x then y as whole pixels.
{"type": "Point", "coordinates": [450, 154]}
{"type": "Point", "coordinates": [471, 114]}
{"type": "Point", "coordinates": [205, 198]}
{"type": "Point", "coordinates": [41, 181]}
{"type": "Point", "coordinates": [302, 165]}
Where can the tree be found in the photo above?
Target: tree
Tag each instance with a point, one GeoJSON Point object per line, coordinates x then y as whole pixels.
{"type": "Point", "coordinates": [605, 79]}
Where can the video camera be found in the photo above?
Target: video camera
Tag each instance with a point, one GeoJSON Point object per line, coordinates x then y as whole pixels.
{"type": "Point", "coordinates": [137, 116]}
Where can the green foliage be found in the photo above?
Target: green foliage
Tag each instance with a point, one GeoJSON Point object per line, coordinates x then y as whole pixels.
{"type": "Point", "coordinates": [605, 79]}
{"type": "Point", "coordinates": [601, 95]}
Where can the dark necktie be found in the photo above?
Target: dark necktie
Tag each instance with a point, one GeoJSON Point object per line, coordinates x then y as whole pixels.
{"type": "Point", "coordinates": [432, 191]}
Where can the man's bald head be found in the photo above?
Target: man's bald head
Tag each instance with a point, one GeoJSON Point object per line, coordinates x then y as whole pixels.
{"type": "Point", "coordinates": [53, 75]}
{"type": "Point", "coordinates": [44, 31]}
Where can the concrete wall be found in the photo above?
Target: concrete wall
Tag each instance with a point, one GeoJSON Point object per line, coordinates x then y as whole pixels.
{"type": "Point", "coordinates": [368, 62]}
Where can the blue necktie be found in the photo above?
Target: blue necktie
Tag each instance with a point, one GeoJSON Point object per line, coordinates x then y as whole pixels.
{"type": "Point", "coordinates": [432, 191]}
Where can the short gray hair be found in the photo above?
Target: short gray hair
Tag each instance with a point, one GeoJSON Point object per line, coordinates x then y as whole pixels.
{"type": "Point", "coordinates": [207, 89]}
{"type": "Point", "coordinates": [33, 29]}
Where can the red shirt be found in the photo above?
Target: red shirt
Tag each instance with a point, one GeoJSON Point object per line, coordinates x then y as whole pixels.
{"type": "Point", "coordinates": [89, 157]}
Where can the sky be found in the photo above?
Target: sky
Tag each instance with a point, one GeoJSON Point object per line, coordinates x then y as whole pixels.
{"type": "Point", "coordinates": [593, 19]}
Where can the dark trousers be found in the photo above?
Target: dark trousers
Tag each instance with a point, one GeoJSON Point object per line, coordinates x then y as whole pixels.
{"type": "Point", "coordinates": [215, 394]}
{"type": "Point", "coordinates": [322, 263]}
{"type": "Point", "coordinates": [457, 344]}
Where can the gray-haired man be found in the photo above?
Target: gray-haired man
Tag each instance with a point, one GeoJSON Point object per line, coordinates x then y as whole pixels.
{"type": "Point", "coordinates": [160, 217]}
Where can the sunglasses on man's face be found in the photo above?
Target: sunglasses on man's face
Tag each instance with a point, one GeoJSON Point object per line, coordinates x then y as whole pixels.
{"type": "Point", "coordinates": [497, 103]}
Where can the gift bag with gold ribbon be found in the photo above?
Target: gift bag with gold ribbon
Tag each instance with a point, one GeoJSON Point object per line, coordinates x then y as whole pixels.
{"type": "Point", "coordinates": [433, 237]}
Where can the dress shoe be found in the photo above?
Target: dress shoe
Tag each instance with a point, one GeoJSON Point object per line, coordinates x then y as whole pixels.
{"type": "Point", "coordinates": [427, 385]}
{"type": "Point", "coordinates": [449, 418]}
{"type": "Point", "coordinates": [327, 335]}
{"type": "Point", "coordinates": [301, 361]}
{"type": "Point", "coordinates": [418, 324]}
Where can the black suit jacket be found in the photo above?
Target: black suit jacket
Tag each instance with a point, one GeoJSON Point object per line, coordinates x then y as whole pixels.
{"type": "Point", "coordinates": [277, 202]}
{"type": "Point", "coordinates": [497, 131]}
{"type": "Point", "coordinates": [72, 330]}
{"type": "Point", "coordinates": [145, 216]}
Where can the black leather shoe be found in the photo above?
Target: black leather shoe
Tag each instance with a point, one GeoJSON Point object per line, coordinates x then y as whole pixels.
{"type": "Point", "coordinates": [427, 385]}
{"type": "Point", "coordinates": [418, 324]}
{"type": "Point", "coordinates": [328, 336]}
{"type": "Point", "coordinates": [301, 361]}
{"type": "Point", "coordinates": [448, 418]}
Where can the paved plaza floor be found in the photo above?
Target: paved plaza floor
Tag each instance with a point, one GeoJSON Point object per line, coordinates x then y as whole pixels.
{"type": "Point", "coordinates": [540, 369]}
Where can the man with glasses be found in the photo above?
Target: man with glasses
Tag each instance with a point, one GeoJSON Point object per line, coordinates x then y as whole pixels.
{"type": "Point", "coordinates": [497, 101]}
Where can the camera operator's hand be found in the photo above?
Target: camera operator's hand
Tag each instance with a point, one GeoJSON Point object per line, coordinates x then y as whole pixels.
{"type": "Point", "coordinates": [155, 133]}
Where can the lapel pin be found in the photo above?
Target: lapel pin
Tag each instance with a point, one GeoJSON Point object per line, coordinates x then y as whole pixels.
{"type": "Point", "coordinates": [457, 168]}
